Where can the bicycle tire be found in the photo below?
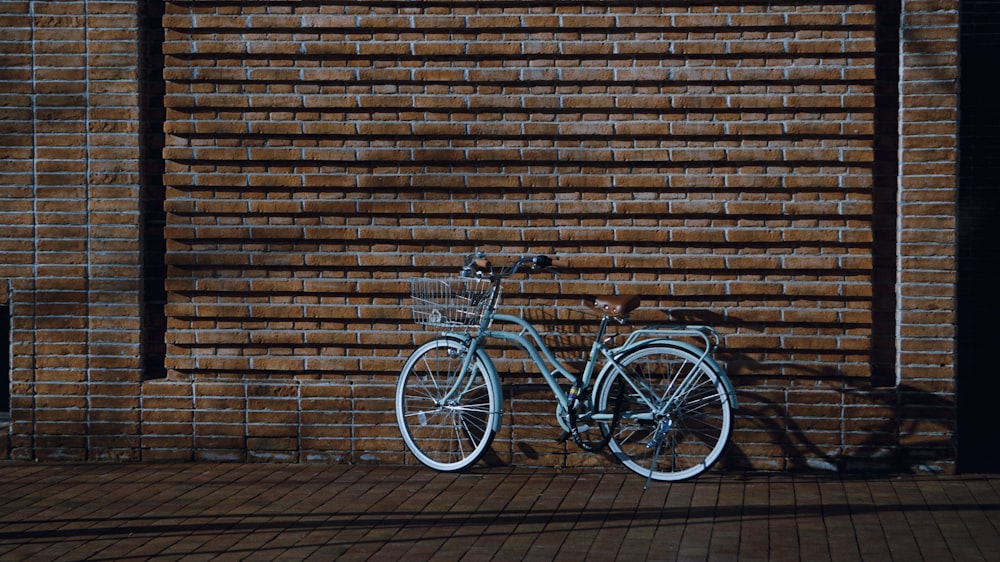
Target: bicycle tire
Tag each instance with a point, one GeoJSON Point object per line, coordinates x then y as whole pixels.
{"type": "Point", "coordinates": [445, 433]}
{"type": "Point", "coordinates": [700, 424]}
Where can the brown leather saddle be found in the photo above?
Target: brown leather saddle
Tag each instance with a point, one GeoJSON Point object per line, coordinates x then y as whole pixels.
{"type": "Point", "coordinates": [616, 306]}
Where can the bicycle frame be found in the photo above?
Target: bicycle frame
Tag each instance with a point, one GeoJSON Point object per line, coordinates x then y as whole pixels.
{"type": "Point", "coordinates": [550, 367]}
{"type": "Point", "coordinates": [540, 353]}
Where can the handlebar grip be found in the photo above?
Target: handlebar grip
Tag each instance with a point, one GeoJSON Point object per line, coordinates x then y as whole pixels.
{"type": "Point", "coordinates": [541, 262]}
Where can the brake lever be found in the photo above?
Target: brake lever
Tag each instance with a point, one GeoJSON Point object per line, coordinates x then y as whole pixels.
{"type": "Point", "coordinates": [477, 267]}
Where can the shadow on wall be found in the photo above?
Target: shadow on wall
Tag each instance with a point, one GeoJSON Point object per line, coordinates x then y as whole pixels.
{"type": "Point", "coordinates": [817, 419]}
{"type": "Point", "coordinates": [868, 436]}
{"type": "Point", "coordinates": [822, 419]}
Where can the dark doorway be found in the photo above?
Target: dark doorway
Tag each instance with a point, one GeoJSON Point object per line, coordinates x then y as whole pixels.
{"type": "Point", "coordinates": [979, 236]}
{"type": "Point", "coordinates": [153, 217]}
{"type": "Point", "coordinates": [5, 361]}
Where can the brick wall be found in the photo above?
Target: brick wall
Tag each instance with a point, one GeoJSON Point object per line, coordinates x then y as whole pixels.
{"type": "Point", "coordinates": [328, 151]}
{"type": "Point", "coordinates": [735, 163]}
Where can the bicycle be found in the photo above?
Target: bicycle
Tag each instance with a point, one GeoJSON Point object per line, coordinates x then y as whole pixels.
{"type": "Point", "coordinates": [660, 403]}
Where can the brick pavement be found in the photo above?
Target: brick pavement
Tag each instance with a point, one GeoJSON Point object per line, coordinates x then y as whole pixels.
{"type": "Point", "coordinates": [326, 512]}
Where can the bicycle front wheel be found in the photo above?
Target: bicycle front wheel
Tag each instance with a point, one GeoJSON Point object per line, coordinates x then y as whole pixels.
{"type": "Point", "coordinates": [675, 413]}
{"type": "Point", "coordinates": [447, 418]}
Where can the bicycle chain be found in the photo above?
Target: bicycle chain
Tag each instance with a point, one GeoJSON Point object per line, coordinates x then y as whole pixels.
{"type": "Point", "coordinates": [594, 446]}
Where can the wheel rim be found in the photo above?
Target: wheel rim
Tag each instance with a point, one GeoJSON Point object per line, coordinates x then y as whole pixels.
{"type": "Point", "coordinates": [445, 430]}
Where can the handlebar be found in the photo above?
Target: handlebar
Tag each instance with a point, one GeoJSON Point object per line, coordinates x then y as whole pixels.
{"type": "Point", "coordinates": [478, 266]}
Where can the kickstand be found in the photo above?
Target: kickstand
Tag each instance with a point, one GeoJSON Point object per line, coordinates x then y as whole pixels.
{"type": "Point", "coordinates": [652, 469]}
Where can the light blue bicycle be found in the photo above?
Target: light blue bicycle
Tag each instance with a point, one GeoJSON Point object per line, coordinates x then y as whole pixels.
{"type": "Point", "coordinates": [661, 404]}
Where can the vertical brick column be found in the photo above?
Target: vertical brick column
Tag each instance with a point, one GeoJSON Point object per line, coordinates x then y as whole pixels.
{"type": "Point", "coordinates": [70, 215]}
{"type": "Point", "coordinates": [928, 172]}
{"type": "Point", "coordinates": [17, 245]}
{"type": "Point", "coordinates": [55, 322]}
{"type": "Point", "coordinates": [114, 237]}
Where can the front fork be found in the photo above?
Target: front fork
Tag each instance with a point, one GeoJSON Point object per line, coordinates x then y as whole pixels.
{"type": "Point", "coordinates": [465, 380]}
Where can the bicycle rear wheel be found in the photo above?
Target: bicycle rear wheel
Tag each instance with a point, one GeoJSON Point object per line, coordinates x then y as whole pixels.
{"type": "Point", "coordinates": [672, 443]}
{"type": "Point", "coordinates": [447, 419]}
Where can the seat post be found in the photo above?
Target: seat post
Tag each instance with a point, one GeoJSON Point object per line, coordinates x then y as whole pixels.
{"type": "Point", "coordinates": [603, 327]}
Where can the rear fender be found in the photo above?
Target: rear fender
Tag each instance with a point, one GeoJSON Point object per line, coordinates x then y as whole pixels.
{"type": "Point", "coordinates": [692, 349]}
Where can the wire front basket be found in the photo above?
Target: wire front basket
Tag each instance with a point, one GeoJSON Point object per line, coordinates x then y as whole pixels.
{"type": "Point", "coordinates": [451, 303]}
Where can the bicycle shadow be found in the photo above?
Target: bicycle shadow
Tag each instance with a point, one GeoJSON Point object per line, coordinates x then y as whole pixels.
{"type": "Point", "coordinates": [888, 428]}
{"type": "Point", "coordinates": [816, 419]}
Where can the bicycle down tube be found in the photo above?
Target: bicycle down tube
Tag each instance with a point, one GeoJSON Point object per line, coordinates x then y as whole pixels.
{"type": "Point", "coordinates": [536, 351]}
